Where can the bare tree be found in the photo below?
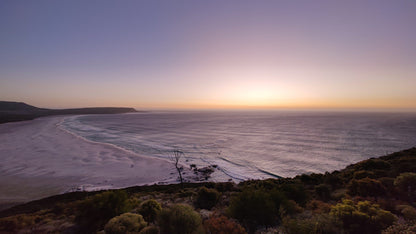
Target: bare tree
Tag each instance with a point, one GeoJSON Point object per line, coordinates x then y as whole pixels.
{"type": "Point", "coordinates": [175, 157]}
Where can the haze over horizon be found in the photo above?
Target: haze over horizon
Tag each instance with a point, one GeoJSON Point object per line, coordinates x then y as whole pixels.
{"type": "Point", "coordinates": [216, 54]}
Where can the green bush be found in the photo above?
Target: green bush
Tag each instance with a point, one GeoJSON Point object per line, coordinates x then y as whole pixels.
{"type": "Point", "coordinates": [150, 230]}
{"type": "Point", "coordinates": [207, 198]}
{"type": "Point", "coordinates": [362, 217]}
{"type": "Point", "coordinates": [179, 219]}
{"type": "Point", "coordinates": [125, 223]}
{"type": "Point", "coordinates": [150, 209]}
{"type": "Point", "coordinates": [254, 207]}
{"type": "Point", "coordinates": [366, 187]}
{"type": "Point", "coordinates": [95, 211]}
{"type": "Point", "coordinates": [406, 183]}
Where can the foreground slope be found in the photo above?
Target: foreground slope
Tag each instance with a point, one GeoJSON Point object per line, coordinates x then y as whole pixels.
{"type": "Point", "coordinates": [372, 196]}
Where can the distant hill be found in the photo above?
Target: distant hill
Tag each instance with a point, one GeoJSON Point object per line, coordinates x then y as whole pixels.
{"type": "Point", "coordinates": [19, 111]}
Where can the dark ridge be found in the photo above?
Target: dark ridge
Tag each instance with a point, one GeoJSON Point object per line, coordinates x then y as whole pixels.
{"type": "Point", "coordinates": [19, 111]}
{"type": "Point", "coordinates": [17, 107]}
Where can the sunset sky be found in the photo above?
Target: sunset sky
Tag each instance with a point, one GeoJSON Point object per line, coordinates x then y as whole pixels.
{"type": "Point", "coordinates": [209, 54]}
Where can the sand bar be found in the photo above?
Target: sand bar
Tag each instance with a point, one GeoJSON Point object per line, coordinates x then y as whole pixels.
{"type": "Point", "coordinates": [39, 159]}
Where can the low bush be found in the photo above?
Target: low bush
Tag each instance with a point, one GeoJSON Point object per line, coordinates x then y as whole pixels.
{"type": "Point", "coordinates": [95, 211]}
{"type": "Point", "coordinates": [366, 187]}
{"type": "Point", "coordinates": [125, 223]}
{"type": "Point", "coordinates": [318, 206]}
{"type": "Point", "coordinates": [179, 219]}
{"type": "Point", "coordinates": [149, 210]}
{"type": "Point", "coordinates": [406, 184]}
{"type": "Point", "coordinates": [316, 224]}
{"type": "Point", "coordinates": [222, 225]}
{"type": "Point", "coordinates": [253, 208]}
{"type": "Point", "coordinates": [150, 230]}
{"type": "Point", "coordinates": [207, 198]}
{"type": "Point", "coordinates": [323, 191]}
{"type": "Point", "coordinates": [408, 212]}
{"type": "Point", "coordinates": [373, 164]}
{"type": "Point", "coordinates": [362, 217]}
{"type": "Point", "coordinates": [401, 228]}
{"type": "Point", "coordinates": [296, 192]}
{"type": "Point", "coordinates": [363, 174]}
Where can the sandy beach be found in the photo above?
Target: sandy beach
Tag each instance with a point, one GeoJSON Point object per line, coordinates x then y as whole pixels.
{"type": "Point", "coordinates": [39, 159]}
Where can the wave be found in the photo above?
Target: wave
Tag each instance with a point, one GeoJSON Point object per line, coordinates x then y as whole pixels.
{"type": "Point", "coordinates": [250, 146]}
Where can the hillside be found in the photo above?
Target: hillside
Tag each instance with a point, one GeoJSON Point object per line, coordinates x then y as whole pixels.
{"type": "Point", "coordinates": [372, 196]}
{"type": "Point", "coordinates": [19, 111]}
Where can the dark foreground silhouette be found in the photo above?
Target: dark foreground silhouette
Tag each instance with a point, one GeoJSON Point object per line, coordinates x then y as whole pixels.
{"type": "Point", "coordinates": [19, 111]}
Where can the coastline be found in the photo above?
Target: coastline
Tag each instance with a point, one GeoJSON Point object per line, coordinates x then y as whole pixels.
{"type": "Point", "coordinates": [40, 159]}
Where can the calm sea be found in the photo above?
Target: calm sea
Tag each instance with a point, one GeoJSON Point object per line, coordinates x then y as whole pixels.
{"type": "Point", "coordinates": [254, 144]}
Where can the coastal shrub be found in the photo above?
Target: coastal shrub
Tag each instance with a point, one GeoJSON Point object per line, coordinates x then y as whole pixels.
{"type": "Point", "coordinates": [333, 179]}
{"type": "Point", "coordinates": [125, 223]}
{"type": "Point", "coordinates": [17, 222]}
{"type": "Point", "coordinates": [321, 223]}
{"type": "Point", "coordinates": [323, 191]}
{"type": "Point", "coordinates": [312, 179]}
{"type": "Point", "coordinates": [363, 174]}
{"type": "Point", "coordinates": [318, 206]}
{"type": "Point", "coordinates": [95, 211]}
{"type": "Point", "coordinates": [363, 217]}
{"type": "Point", "coordinates": [295, 191]}
{"type": "Point", "coordinates": [179, 219]}
{"type": "Point", "coordinates": [207, 198]}
{"type": "Point", "coordinates": [366, 187]}
{"type": "Point", "coordinates": [225, 186]}
{"type": "Point", "coordinates": [149, 210]}
{"type": "Point", "coordinates": [408, 212]}
{"type": "Point", "coordinates": [401, 228]}
{"type": "Point", "coordinates": [373, 164]}
{"type": "Point", "coordinates": [388, 183]}
{"type": "Point", "coordinates": [253, 208]}
{"type": "Point", "coordinates": [289, 207]}
{"type": "Point", "coordinates": [150, 230]}
{"type": "Point", "coordinates": [406, 184]}
{"type": "Point", "coordinates": [222, 225]}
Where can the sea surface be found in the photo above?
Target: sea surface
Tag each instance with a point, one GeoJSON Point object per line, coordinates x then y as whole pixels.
{"type": "Point", "coordinates": [253, 144]}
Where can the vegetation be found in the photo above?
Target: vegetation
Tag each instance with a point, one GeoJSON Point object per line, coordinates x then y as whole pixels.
{"type": "Point", "coordinates": [372, 196]}
{"type": "Point", "coordinates": [207, 198]}
{"type": "Point", "coordinates": [180, 219]}
{"type": "Point", "coordinates": [150, 209]}
{"type": "Point", "coordinates": [95, 211]}
{"type": "Point", "coordinates": [222, 225]}
{"type": "Point", "coordinates": [125, 223]}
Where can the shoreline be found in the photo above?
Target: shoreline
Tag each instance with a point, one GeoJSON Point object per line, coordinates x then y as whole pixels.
{"type": "Point", "coordinates": [39, 159]}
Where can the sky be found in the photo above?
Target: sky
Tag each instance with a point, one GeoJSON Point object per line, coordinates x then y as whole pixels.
{"type": "Point", "coordinates": [209, 54]}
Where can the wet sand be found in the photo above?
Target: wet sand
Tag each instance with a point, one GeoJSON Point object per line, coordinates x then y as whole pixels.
{"type": "Point", "coordinates": [39, 159]}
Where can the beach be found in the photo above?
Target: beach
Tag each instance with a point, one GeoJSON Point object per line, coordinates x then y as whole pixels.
{"type": "Point", "coordinates": [40, 159]}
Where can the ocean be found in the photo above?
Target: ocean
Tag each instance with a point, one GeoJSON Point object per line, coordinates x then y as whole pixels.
{"type": "Point", "coordinates": [253, 144]}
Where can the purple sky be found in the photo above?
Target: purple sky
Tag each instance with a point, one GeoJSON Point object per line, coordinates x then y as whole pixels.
{"type": "Point", "coordinates": [209, 54]}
